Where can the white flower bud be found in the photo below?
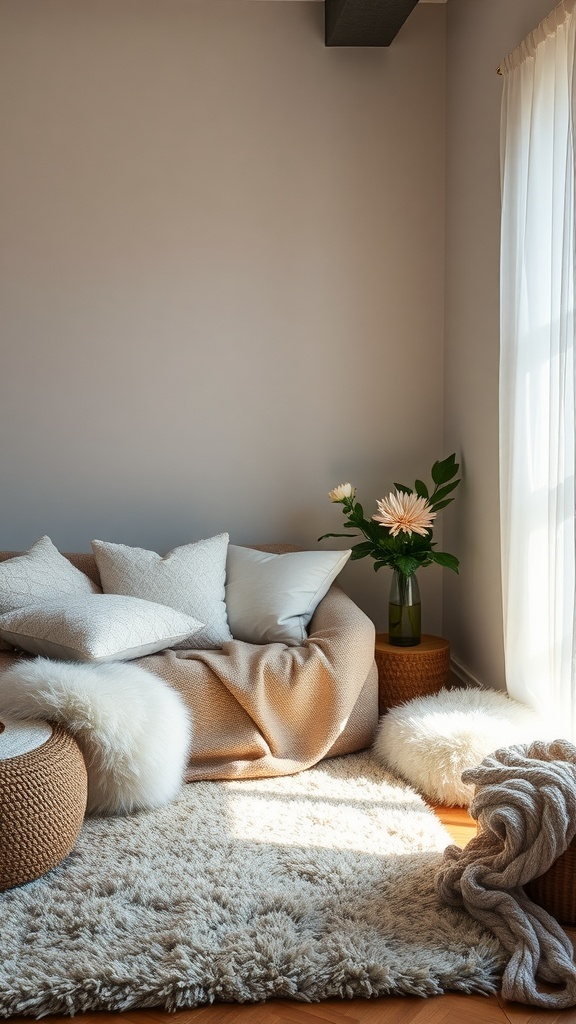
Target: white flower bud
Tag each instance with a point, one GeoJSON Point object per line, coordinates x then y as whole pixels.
{"type": "Point", "coordinates": [341, 492]}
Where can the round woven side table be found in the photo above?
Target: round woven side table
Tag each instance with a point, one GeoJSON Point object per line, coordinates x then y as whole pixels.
{"type": "Point", "coordinates": [407, 672]}
{"type": "Point", "coordinates": [43, 790]}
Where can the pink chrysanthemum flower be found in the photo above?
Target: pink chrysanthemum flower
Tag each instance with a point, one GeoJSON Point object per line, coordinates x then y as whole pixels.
{"type": "Point", "coordinates": [408, 513]}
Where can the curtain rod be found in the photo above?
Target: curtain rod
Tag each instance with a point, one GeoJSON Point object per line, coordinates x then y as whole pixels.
{"type": "Point", "coordinates": [558, 15]}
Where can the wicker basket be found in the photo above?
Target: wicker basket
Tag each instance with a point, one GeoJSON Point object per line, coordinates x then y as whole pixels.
{"type": "Point", "coordinates": [42, 804]}
{"type": "Point", "coordinates": [555, 890]}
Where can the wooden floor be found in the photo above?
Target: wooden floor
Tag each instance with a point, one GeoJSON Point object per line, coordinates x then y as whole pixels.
{"type": "Point", "coordinates": [448, 1009]}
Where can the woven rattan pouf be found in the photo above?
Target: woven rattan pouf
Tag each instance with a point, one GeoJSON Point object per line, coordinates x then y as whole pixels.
{"type": "Point", "coordinates": [43, 787]}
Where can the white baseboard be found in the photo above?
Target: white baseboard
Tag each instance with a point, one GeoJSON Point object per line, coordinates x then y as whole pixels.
{"type": "Point", "coordinates": [464, 677]}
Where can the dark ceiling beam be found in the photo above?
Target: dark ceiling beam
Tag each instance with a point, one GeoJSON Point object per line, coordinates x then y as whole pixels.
{"type": "Point", "coordinates": [364, 22]}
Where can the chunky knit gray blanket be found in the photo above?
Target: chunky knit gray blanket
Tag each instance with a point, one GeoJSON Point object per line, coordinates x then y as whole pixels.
{"type": "Point", "coordinates": [525, 804]}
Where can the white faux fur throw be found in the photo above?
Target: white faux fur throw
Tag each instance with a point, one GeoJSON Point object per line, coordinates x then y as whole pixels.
{"type": "Point", "coordinates": [133, 728]}
{"type": "Point", "coordinates": [525, 804]}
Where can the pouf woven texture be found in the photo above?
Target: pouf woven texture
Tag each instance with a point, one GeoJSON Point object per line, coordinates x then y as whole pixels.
{"type": "Point", "coordinates": [42, 803]}
{"type": "Point", "coordinates": [429, 741]}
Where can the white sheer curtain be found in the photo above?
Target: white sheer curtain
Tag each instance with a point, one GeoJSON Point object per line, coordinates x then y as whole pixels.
{"type": "Point", "coordinates": [537, 393]}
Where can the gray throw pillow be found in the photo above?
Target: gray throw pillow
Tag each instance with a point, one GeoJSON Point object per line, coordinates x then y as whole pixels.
{"type": "Point", "coordinates": [271, 598]}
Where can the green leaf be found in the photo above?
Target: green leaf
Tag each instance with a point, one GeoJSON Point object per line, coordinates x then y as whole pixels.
{"type": "Point", "coordinates": [421, 556]}
{"type": "Point", "coordinates": [377, 534]}
{"type": "Point", "coordinates": [324, 535]}
{"type": "Point", "coordinates": [361, 550]}
{"type": "Point", "coordinates": [442, 492]}
{"type": "Point", "coordinates": [444, 559]}
{"type": "Point", "coordinates": [358, 512]}
{"type": "Point", "coordinates": [418, 543]}
{"type": "Point", "coordinates": [421, 489]}
{"type": "Point", "coordinates": [441, 504]}
{"type": "Point", "coordinates": [445, 470]}
{"type": "Point", "coordinates": [380, 564]}
{"type": "Point", "coordinates": [403, 488]}
{"type": "Point", "coordinates": [387, 543]}
{"type": "Point", "coordinates": [407, 565]}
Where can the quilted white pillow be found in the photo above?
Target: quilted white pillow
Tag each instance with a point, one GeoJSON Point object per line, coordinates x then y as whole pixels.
{"type": "Point", "coordinates": [41, 572]}
{"type": "Point", "coordinates": [190, 578]}
{"type": "Point", "coordinates": [271, 598]}
{"type": "Point", "coordinates": [95, 627]}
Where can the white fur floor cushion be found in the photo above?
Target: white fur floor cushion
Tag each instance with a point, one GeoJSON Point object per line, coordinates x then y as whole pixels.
{"type": "Point", "coordinates": [430, 741]}
{"type": "Point", "coordinates": [133, 729]}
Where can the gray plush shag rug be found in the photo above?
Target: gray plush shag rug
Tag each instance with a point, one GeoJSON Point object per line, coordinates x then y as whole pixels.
{"type": "Point", "coordinates": [308, 887]}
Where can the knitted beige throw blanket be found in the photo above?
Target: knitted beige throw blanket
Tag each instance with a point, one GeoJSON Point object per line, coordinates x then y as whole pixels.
{"type": "Point", "coordinates": [525, 804]}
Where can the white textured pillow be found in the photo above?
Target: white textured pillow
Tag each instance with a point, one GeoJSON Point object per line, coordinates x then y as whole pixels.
{"type": "Point", "coordinates": [41, 572]}
{"type": "Point", "coordinates": [190, 578]}
{"type": "Point", "coordinates": [95, 627]}
{"type": "Point", "coordinates": [271, 598]}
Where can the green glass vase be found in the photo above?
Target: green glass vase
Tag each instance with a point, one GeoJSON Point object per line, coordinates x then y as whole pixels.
{"type": "Point", "coordinates": [404, 610]}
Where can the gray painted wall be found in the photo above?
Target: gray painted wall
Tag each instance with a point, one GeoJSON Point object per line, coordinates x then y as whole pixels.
{"type": "Point", "coordinates": [480, 33]}
{"type": "Point", "coordinates": [223, 273]}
